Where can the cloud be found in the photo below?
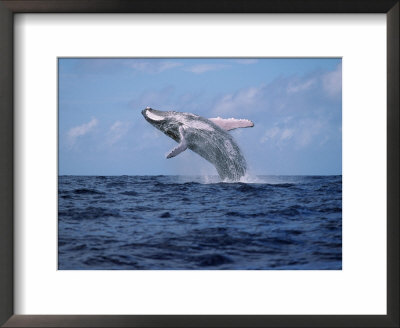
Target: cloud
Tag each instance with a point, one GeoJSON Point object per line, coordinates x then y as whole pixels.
{"type": "Point", "coordinates": [297, 86]}
{"type": "Point", "coordinates": [153, 67]}
{"type": "Point", "coordinates": [279, 135]}
{"type": "Point", "coordinates": [297, 112]}
{"type": "Point", "coordinates": [117, 131]}
{"type": "Point", "coordinates": [270, 134]}
{"type": "Point", "coordinates": [285, 96]}
{"type": "Point", "coordinates": [202, 68]}
{"type": "Point", "coordinates": [236, 102]}
{"type": "Point", "coordinates": [307, 130]}
{"type": "Point", "coordinates": [287, 134]}
{"type": "Point", "coordinates": [332, 82]}
{"type": "Point", "coordinates": [296, 133]}
{"type": "Point", "coordinates": [81, 130]}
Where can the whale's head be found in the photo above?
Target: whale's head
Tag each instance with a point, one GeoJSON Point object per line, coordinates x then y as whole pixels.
{"type": "Point", "coordinates": [165, 121]}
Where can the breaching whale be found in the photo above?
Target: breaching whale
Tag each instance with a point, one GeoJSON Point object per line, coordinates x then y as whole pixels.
{"type": "Point", "coordinates": [207, 137]}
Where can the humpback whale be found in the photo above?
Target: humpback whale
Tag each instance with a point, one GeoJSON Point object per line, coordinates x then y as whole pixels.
{"type": "Point", "coordinates": [207, 137]}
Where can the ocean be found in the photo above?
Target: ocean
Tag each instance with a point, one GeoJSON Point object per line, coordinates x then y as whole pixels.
{"type": "Point", "coordinates": [199, 223]}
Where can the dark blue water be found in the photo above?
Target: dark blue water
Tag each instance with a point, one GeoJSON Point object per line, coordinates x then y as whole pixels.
{"type": "Point", "coordinates": [190, 223]}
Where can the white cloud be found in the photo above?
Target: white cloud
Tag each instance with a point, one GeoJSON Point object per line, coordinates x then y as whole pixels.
{"type": "Point", "coordinates": [298, 134]}
{"type": "Point", "coordinates": [81, 130]}
{"type": "Point", "coordinates": [202, 68]}
{"type": "Point", "coordinates": [304, 95]}
{"type": "Point", "coordinates": [295, 87]}
{"type": "Point", "coordinates": [236, 103]}
{"type": "Point", "coordinates": [117, 131]}
{"type": "Point", "coordinates": [332, 82]}
{"type": "Point", "coordinates": [154, 67]}
{"type": "Point", "coordinates": [269, 134]}
{"type": "Point", "coordinates": [307, 131]}
{"type": "Point", "coordinates": [287, 134]}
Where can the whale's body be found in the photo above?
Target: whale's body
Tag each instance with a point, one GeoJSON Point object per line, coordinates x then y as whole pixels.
{"type": "Point", "coordinates": [207, 137]}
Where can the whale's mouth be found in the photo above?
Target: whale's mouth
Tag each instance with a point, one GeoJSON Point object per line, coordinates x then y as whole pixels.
{"type": "Point", "coordinates": [152, 114]}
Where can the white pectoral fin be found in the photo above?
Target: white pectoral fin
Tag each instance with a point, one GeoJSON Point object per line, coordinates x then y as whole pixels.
{"type": "Point", "coordinates": [231, 123]}
{"type": "Point", "coordinates": [181, 146]}
{"type": "Point", "coordinates": [177, 150]}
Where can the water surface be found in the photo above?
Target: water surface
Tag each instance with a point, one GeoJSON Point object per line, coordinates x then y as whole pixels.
{"type": "Point", "coordinates": [198, 223]}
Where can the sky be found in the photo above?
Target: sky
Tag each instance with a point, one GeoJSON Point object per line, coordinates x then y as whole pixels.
{"type": "Point", "coordinates": [295, 104]}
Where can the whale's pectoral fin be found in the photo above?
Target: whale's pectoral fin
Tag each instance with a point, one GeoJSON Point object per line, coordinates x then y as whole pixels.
{"type": "Point", "coordinates": [181, 146]}
{"type": "Point", "coordinates": [231, 123]}
{"type": "Point", "coordinates": [177, 150]}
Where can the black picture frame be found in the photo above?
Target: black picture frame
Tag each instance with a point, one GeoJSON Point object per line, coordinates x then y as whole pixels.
{"type": "Point", "coordinates": [10, 7]}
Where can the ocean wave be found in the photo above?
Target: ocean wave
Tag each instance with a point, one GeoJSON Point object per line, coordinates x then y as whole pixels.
{"type": "Point", "coordinates": [87, 191]}
{"type": "Point", "coordinates": [163, 222]}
